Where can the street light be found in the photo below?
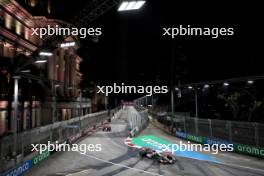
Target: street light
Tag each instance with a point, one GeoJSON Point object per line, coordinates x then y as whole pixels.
{"type": "Point", "coordinates": [25, 71]}
{"type": "Point", "coordinates": [131, 5]}
{"type": "Point", "coordinates": [250, 81]}
{"type": "Point", "coordinates": [40, 61]}
{"type": "Point", "coordinates": [206, 86]}
{"type": "Point", "coordinates": [15, 115]}
{"type": "Point", "coordinates": [67, 44]}
{"type": "Point", "coordinates": [44, 53]}
{"type": "Point", "coordinates": [226, 84]}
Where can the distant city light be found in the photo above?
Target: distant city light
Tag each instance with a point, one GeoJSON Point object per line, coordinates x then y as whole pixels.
{"type": "Point", "coordinates": [250, 82]}
{"type": "Point", "coordinates": [25, 71]}
{"type": "Point", "coordinates": [40, 61]}
{"type": "Point", "coordinates": [45, 54]}
{"type": "Point", "coordinates": [190, 87]}
{"type": "Point", "coordinates": [226, 84]}
{"type": "Point", "coordinates": [131, 5]}
{"type": "Point", "coordinates": [206, 86]}
{"type": "Point", "coordinates": [68, 44]}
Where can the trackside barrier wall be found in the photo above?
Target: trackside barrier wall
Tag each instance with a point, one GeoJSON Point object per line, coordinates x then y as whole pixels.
{"type": "Point", "coordinates": [143, 122]}
{"type": "Point", "coordinates": [66, 131]}
{"type": "Point", "coordinates": [240, 148]}
{"type": "Point", "coordinates": [248, 138]}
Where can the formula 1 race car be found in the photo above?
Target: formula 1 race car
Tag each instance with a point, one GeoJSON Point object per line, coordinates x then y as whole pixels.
{"type": "Point", "coordinates": [149, 153]}
{"type": "Point", "coordinates": [163, 158]}
{"type": "Point", "coordinates": [166, 159]}
{"type": "Point", "coordinates": [106, 128]}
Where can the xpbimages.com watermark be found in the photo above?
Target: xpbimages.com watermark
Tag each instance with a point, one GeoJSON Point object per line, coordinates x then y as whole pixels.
{"type": "Point", "coordinates": [182, 147]}
{"type": "Point", "coordinates": [62, 147]}
{"type": "Point", "coordinates": [129, 89]}
{"type": "Point", "coordinates": [188, 30]}
{"type": "Point", "coordinates": [63, 31]}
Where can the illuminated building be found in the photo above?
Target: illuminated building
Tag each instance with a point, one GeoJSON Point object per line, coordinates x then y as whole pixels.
{"type": "Point", "coordinates": [61, 70]}
{"type": "Point", "coordinates": [38, 6]}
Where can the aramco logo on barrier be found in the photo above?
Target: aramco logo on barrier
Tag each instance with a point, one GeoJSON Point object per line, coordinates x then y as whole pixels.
{"type": "Point", "coordinates": [249, 150]}
{"type": "Point", "coordinates": [19, 170]}
{"type": "Point", "coordinates": [40, 157]}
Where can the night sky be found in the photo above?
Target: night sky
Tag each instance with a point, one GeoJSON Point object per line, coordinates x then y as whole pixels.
{"type": "Point", "coordinates": [133, 50]}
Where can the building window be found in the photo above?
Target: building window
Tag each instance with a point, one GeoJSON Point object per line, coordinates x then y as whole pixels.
{"type": "Point", "coordinates": [8, 21]}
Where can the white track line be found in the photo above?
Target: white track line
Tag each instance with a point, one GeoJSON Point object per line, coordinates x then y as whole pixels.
{"type": "Point", "coordinates": [121, 165]}
{"type": "Point", "coordinates": [244, 167]}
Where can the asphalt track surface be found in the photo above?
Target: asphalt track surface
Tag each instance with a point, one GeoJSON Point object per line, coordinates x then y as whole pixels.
{"type": "Point", "coordinates": [117, 159]}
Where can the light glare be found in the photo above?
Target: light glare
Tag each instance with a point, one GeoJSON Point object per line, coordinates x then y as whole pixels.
{"type": "Point", "coordinates": [132, 5]}
{"type": "Point", "coordinates": [69, 44]}
{"type": "Point", "coordinates": [139, 4]}
{"type": "Point", "coordinates": [206, 86]}
{"type": "Point", "coordinates": [25, 71]}
{"type": "Point", "coordinates": [123, 6]}
{"type": "Point", "coordinates": [40, 61]}
{"type": "Point", "coordinates": [250, 82]}
{"type": "Point", "coordinates": [45, 54]}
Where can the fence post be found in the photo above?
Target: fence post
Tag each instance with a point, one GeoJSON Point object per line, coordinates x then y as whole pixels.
{"type": "Point", "coordinates": [256, 127]}
{"type": "Point", "coordinates": [1, 150]}
{"type": "Point", "coordinates": [51, 132]}
{"type": "Point", "coordinates": [230, 130]}
{"type": "Point", "coordinates": [196, 126]}
{"type": "Point", "coordinates": [22, 144]}
{"type": "Point", "coordinates": [184, 124]}
{"type": "Point", "coordinates": [60, 133]}
{"type": "Point", "coordinates": [38, 137]}
{"type": "Point", "coordinates": [210, 128]}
